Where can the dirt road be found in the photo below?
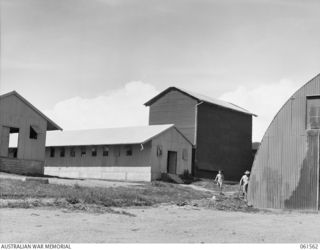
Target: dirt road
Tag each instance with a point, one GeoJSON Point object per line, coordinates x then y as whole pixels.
{"type": "Point", "coordinates": [162, 224]}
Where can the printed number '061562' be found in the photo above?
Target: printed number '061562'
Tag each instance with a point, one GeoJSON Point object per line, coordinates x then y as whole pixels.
{"type": "Point", "coordinates": [308, 246]}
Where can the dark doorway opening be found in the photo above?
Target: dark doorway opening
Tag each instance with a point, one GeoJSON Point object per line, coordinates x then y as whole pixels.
{"type": "Point", "coordinates": [13, 153]}
{"type": "Point", "coordinates": [9, 142]}
{"type": "Point", "coordinates": [193, 162]}
{"type": "Point", "coordinates": [172, 162]}
{"type": "Point", "coordinates": [13, 143]}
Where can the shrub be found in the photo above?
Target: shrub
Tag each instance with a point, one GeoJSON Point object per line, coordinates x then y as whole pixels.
{"type": "Point", "coordinates": [186, 175]}
{"type": "Point", "coordinates": [73, 200]}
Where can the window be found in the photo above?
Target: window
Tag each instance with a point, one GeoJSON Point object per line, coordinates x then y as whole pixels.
{"type": "Point", "coordinates": [117, 151]}
{"type": "Point", "coordinates": [52, 152]}
{"type": "Point", "coordinates": [62, 152]}
{"type": "Point", "coordinates": [72, 152]}
{"type": "Point", "coordinates": [83, 152]}
{"type": "Point", "coordinates": [33, 134]}
{"type": "Point", "coordinates": [94, 151]}
{"type": "Point", "coordinates": [105, 151]}
{"type": "Point", "coordinates": [159, 150]}
{"type": "Point", "coordinates": [128, 150]}
{"type": "Point", "coordinates": [313, 112]}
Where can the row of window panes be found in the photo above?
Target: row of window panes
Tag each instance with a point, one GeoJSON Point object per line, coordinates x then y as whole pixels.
{"type": "Point", "coordinates": [83, 152]}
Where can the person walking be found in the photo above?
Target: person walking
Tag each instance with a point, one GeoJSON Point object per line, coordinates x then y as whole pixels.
{"type": "Point", "coordinates": [244, 182]}
{"type": "Point", "coordinates": [219, 179]}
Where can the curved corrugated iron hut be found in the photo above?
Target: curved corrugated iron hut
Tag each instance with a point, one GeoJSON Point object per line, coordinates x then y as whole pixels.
{"type": "Point", "coordinates": [285, 172]}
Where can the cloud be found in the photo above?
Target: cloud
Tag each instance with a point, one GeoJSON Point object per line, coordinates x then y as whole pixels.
{"type": "Point", "coordinates": [119, 108]}
{"type": "Point", "coordinates": [265, 100]}
{"type": "Point", "coordinates": [124, 106]}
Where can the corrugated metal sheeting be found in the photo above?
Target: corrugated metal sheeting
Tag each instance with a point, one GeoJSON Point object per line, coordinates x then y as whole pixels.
{"type": "Point", "coordinates": [285, 171]}
{"type": "Point", "coordinates": [102, 136]}
{"type": "Point", "coordinates": [105, 136]}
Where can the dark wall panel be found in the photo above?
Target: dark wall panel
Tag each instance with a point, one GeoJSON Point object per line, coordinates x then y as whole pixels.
{"type": "Point", "coordinates": [18, 166]}
{"type": "Point", "coordinates": [224, 141]}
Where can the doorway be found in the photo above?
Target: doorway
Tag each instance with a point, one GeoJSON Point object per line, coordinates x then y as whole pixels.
{"type": "Point", "coordinates": [172, 162]}
{"type": "Point", "coordinates": [9, 142]}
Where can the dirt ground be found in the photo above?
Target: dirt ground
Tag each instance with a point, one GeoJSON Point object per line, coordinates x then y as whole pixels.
{"type": "Point", "coordinates": [162, 224]}
{"type": "Point", "coordinates": [222, 219]}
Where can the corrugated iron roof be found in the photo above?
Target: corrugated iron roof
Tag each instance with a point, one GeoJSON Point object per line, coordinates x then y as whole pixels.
{"type": "Point", "coordinates": [51, 125]}
{"type": "Point", "coordinates": [200, 98]}
{"type": "Point", "coordinates": [105, 136]}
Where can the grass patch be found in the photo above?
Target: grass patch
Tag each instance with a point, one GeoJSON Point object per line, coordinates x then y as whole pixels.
{"type": "Point", "coordinates": [142, 195]}
{"type": "Point", "coordinates": [21, 194]}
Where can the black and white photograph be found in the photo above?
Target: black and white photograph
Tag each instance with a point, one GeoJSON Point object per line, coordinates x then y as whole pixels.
{"type": "Point", "coordinates": [159, 121]}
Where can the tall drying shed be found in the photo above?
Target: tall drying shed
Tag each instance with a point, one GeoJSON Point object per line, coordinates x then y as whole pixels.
{"type": "Point", "coordinates": [221, 132]}
{"type": "Point", "coordinates": [24, 123]}
{"type": "Point", "coordinates": [285, 172]}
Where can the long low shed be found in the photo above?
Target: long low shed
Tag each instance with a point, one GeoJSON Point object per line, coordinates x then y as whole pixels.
{"type": "Point", "coordinates": [128, 154]}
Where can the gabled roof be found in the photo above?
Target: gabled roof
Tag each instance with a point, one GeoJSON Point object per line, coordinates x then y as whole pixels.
{"type": "Point", "coordinates": [200, 98]}
{"type": "Point", "coordinates": [50, 124]}
{"type": "Point", "coordinates": [106, 136]}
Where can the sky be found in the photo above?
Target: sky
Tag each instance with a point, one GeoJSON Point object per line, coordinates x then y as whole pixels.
{"type": "Point", "coordinates": [93, 63]}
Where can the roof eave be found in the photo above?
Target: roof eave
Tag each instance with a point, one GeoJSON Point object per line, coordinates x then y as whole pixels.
{"type": "Point", "coordinates": [93, 145]}
{"type": "Point", "coordinates": [154, 99]}
{"type": "Point", "coordinates": [235, 110]}
{"type": "Point", "coordinates": [50, 124]}
{"type": "Point", "coordinates": [53, 126]}
{"type": "Point", "coordinates": [154, 136]}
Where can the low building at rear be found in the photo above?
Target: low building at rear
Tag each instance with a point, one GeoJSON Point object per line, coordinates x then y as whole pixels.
{"type": "Point", "coordinates": [126, 154]}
